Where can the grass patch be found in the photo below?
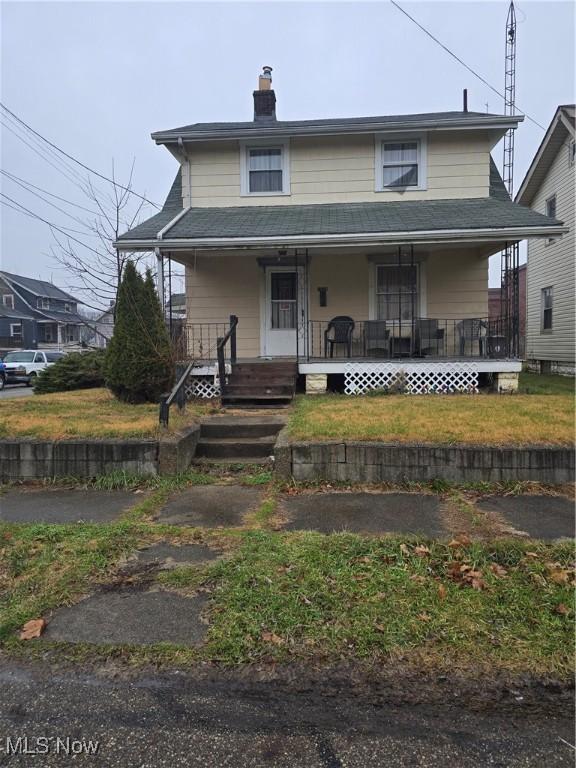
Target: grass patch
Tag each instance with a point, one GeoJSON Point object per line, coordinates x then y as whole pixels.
{"type": "Point", "coordinates": [93, 413]}
{"type": "Point", "coordinates": [286, 597]}
{"type": "Point", "coordinates": [545, 384]}
{"type": "Point", "coordinates": [436, 419]}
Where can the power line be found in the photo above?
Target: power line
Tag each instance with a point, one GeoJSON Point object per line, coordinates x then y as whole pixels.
{"type": "Point", "coordinates": [78, 162]}
{"type": "Point", "coordinates": [49, 223]}
{"type": "Point", "coordinates": [460, 61]}
{"type": "Point", "coordinates": [48, 202]}
{"type": "Point", "coordinates": [13, 177]}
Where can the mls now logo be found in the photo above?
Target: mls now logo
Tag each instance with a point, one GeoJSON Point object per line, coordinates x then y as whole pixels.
{"type": "Point", "coordinates": [43, 745]}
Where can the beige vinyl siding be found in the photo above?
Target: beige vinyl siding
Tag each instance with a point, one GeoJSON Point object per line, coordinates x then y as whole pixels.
{"type": "Point", "coordinates": [553, 265]}
{"type": "Point", "coordinates": [455, 283]}
{"type": "Point", "coordinates": [339, 169]}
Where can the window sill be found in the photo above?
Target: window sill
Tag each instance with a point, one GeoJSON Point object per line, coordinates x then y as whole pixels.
{"type": "Point", "coordinates": [264, 194]}
{"type": "Point", "coordinates": [401, 190]}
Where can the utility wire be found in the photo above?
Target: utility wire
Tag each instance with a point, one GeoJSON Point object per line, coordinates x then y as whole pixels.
{"type": "Point", "coordinates": [78, 162]}
{"type": "Point", "coordinates": [13, 177]}
{"type": "Point", "coordinates": [49, 223]}
{"type": "Point", "coordinates": [49, 202]}
{"type": "Point", "coordinates": [459, 60]}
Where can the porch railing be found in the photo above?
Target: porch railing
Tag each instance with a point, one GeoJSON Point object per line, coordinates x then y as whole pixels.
{"type": "Point", "coordinates": [197, 341]}
{"type": "Point", "coordinates": [221, 352]}
{"type": "Point", "coordinates": [433, 338]}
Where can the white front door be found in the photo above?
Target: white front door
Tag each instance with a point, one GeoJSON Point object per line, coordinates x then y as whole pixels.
{"type": "Point", "coordinates": [285, 312]}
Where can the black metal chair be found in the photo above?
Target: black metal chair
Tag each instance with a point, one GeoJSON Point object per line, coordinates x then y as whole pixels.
{"type": "Point", "coordinates": [470, 331]}
{"type": "Point", "coordinates": [428, 338]}
{"type": "Point", "coordinates": [339, 331]}
{"type": "Point", "coordinates": [376, 338]}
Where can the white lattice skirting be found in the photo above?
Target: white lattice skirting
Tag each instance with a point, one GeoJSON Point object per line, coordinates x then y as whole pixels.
{"type": "Point", "coordinates": [206, 387]}
{"type": "Point", "coordinates": [415, 379]}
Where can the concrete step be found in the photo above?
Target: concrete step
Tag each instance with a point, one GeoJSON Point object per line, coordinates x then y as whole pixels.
{"type": "Point", "coordinates": [234, 448]}
{"type": "Point", "coordinates": [241, 427]}
{"type": "Point", "coordinates": [256, 401]}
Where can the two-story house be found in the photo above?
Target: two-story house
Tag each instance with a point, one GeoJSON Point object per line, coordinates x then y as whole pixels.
{"type": "Point", "coordinates": [548, 188]}
{"type": "Point", "coordinates": [35, 313]}
{"type": "Point", "coordinates": [354, 248]}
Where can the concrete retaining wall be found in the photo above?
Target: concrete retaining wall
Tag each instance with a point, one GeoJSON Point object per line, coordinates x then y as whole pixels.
{"type": "Point", "coordinates": [25, 459]}
{"type": "Point", "coordinates": [369, 462]}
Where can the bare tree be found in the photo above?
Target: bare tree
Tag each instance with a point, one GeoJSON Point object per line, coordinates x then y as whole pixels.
{"type": "Point", "coordinates": [96, 268]}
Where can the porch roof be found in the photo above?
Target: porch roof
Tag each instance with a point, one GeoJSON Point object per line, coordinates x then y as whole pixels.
{"type": "Point", "coordinates": [497, 216]}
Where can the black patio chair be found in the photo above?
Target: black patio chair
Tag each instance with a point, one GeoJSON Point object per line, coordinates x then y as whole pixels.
{"type": "Point", "coordinates": [428, 338]}
{"type": "Point", "coordinates": [376, 338]}
{"type": "Point", "coordinates": [470, 331]}
{"type": "Point", "coordinates": [339, 331]}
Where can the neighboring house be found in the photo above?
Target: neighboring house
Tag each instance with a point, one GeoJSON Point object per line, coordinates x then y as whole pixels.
{"type": "Point", "coordinates": [103, 327]}
{"type": "Point", "coordinates": [35, 313]}
{"type": "Point", "coordinates": [548, 188]}
{"type": "Point", "coordinates": [496, 310]}
{"type": "Point", "coordinates": [357, 247]}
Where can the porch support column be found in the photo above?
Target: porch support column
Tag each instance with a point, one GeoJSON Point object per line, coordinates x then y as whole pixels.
{"type": "Point", "coordinates": [60, 335]}
{"type": "Point", "coordinates": [316, 383]}
{"type": "Point", "coordinates": [160, 278]}
{"type": "Point", "coordinates": [506, 382]}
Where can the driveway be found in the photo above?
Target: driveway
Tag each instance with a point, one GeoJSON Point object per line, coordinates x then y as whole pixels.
{"type": "Point", "coordinates": [15, 390]}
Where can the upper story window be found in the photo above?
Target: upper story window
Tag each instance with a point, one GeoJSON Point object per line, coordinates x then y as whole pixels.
{"type": "Point", "coordinates": [42, 302]}
{"type": "Point", "coordinates": [400, 163]}
{"type": "Point", "coordinates": [265, 169]}
{"type": "Point", "coordinates": [551, 207]}
{"type": "Point", "coordinates": [67, 308]}
{"type": "Point", "coordinates": [572, 152]}
{"type": "Point", "coordinates": [8, 300]}
{"type": "Point", "coordinates": [546, 308]}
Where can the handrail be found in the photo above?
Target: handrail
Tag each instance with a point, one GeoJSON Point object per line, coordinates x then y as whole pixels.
{"type": "Point", "coordinates": [220, 346]}
{"type": "Point", "coordinates": [177, 392]}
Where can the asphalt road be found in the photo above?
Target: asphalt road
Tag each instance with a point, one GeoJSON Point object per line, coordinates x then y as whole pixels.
{"type": "Point", "coordinates": [15, 390]}
{"type": "Point", "coordinates": [174, 721]}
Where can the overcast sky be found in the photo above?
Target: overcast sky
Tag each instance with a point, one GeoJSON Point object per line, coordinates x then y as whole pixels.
{"type": "Point", "coordinates": [97, 78]}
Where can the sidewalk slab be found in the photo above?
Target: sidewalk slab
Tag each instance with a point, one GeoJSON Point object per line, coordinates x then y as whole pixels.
{"type": "Point", "coordinates": [364, 513]}
{"type": "Point", "coordinates": [171, 555]}
{"type": "Point", "coordinates": [211, 506]}
{"type": "Point", "coordinates": [541, 517]}
{"type": "Point", "coordinates": [64, 506]}
{"type": "Point", "coordinates": [130, 617]}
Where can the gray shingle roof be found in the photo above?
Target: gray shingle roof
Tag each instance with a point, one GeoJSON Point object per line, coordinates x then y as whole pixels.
{"type": "Point", "coordinates": [283, 126]}
{"type": "Point", "coordinates": [149, 229]}
{"type": "Point", "coordinates": [38, 287]}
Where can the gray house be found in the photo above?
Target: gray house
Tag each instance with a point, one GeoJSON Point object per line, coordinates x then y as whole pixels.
{"type": "Point", "coordinates": [548, 188]}
{"type": "Point", "coordinates": [35, 313]}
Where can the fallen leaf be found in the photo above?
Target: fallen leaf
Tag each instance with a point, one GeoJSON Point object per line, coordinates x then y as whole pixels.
{"type": "Point", "coordinates": [421, 550]}
{"type": "Point", "coordinates": [560, 577]}
{"type": "Point", "coordinates": [441, 592]}
{"type": "Point", "coordinates": [416, 577]}
{"type": "Point", "coordinates": [531, 554]}
{"type": "Point", "coordinates": [562, 609]}
{"type": "Point", "coordinates": [424, 617]}
{"type": "Point", "coordinates": [380, 627]}
{"type": "Point", "coordinates": [270, 637]}
{"type": "Point", "coordinates": [498, 570]}
{"type": "Point", "coordinates": [460, 541]}
{"type": "Point", "coordinates": [404, 549]}
{"type": "Point", "coordinates": [32, 629]}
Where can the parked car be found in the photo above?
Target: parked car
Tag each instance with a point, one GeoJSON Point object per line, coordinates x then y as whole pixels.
{"type": "Point", "coordinates": [2, 375]}
{"type": "Point", "coordinates": [23, 366]}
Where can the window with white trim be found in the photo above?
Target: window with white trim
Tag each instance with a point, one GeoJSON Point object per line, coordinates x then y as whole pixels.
{"type": "Point", "coordinates": [572, 152]}
{"type": "Point", "coordinates": [8, 300]}
{"type": "Point", "coordinates": [16, 331]}
{"type": "Point", "coordinates": [265, 169]}
{"type": "Point", "coordinates": [546, 300]}
{"type": "Point", "coordinates": [551, 207]}
{"type": "Point", "coordinates": [400, 162]}
{"type": "Point", "coordinates": [42, 302]}
{"type": "Point", "coordinates": [67, 308]}
{"type": "Point", "coordinates": [396, 292]}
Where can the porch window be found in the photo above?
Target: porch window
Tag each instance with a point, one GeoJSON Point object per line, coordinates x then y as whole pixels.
{"type": "Point", "coordinates": [396, 292]}
{"type": "Point", "coordinates": [546, 308]}
{"type": "Point", "coordinates": [265, 169]}
{"type": "Point", "coordinates": [71, 333]}
{"type": "Point", "coordinates": [8, 300]}
{"type": "Point", "coordinates": [48, 333]}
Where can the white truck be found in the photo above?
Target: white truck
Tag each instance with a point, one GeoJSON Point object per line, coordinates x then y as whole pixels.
{"type": "Point", "coordinates": [22, 366]}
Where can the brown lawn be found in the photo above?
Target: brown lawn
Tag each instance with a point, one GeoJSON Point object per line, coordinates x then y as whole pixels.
{"type": "Point", "coordinates": [85, 413]}
{"type": "Point", "coordinates": [446, 419]}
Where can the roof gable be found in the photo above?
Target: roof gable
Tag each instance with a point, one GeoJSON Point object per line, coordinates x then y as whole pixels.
{"type": "Point", "coordinates": [38, 287]}
{"type": "Point", "coordinates": [560, 129]}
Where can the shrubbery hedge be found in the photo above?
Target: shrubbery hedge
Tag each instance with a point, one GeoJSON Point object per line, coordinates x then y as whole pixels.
{"type": "Point", "coordinates": [78, 370]}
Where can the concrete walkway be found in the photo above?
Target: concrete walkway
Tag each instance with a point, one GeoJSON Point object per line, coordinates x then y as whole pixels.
{"type": "Point", "coordinates": [540, 517]}
{"type": "Point", "coordinates": [64, 506]}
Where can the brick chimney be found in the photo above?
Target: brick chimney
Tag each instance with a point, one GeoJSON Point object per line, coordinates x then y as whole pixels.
{"type": "Point", "coordinates": [264, 97]}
